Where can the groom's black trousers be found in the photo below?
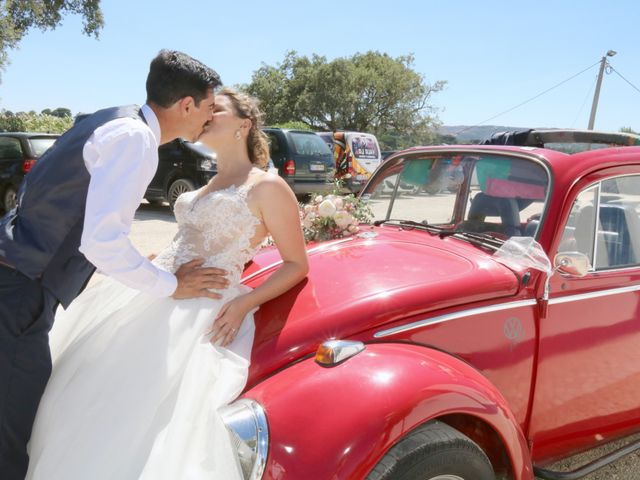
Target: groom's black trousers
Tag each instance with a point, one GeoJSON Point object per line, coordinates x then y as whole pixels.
{"type": "Point", "coordinates": [26, 316]}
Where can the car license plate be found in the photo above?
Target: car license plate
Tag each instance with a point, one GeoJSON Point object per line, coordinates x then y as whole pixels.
{"type": "Point", "coordinates": [316, 167]}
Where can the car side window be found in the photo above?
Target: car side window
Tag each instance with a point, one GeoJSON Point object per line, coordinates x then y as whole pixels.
{"type": "Point", "coordinates": [618, 222]}
{"type": "Point", "coordinates": [10, 148]}
{"type": "Point", "coordinates": [274, 145]}
{"type": "Point", "coordinates": [604, 224]}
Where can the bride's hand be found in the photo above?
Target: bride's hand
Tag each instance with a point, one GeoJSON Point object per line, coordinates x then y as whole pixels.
{"type": "Point", "coordinates": [226, 325]}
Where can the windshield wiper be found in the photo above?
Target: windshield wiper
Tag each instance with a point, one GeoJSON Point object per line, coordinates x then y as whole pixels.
{"type": "Point", "coordinates": [485, 240]}
{"type": "Point", "coordinates": [477, 238]}
{"type": "Point", "coordinates": [411, 223]}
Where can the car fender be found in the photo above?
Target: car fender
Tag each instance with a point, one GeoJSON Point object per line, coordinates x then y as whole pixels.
{"type": "Point", "coordinates": [338, 422]}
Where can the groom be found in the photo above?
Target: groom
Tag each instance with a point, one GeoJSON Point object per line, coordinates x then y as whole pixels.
{"type": "Point", "coordinates": [74, 212]}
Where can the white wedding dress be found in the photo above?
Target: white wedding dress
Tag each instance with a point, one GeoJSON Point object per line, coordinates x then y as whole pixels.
{"type": "Point", "coordinates": [136, 384]}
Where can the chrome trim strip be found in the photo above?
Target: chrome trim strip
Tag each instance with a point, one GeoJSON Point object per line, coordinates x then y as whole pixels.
{"type": "Point", "coordinates": [454, 316]}
{"type": "Point", "coordinates": [601, 293]}
{"type": "Point", "coordinates": [263, 440]}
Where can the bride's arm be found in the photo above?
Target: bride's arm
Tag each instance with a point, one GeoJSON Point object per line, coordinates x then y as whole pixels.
{"type": "Point", "coordinates": [279, 211]}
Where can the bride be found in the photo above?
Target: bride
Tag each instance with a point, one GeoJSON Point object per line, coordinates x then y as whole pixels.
{"type": "Point", "coordinates": [137, 381]}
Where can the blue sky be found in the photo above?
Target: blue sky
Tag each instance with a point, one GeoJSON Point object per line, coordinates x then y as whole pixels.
{"type": "Point", "coordinates": [493, 54]}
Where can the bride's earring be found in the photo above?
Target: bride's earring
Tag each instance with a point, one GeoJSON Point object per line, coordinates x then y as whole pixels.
{"type": "Point", "coordinates": [237, 135]}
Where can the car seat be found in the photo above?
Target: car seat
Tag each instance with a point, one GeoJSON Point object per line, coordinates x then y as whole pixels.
{"type": "Point", "coordinates": [484, 205]}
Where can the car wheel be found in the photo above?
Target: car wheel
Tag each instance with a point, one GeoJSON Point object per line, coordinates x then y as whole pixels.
{"type": "Point", "coordinates": [177, 188]}
{"type": "Point", "coordinates": [9, 198]}
{"type": "Point", "coordinates": [434, 451]}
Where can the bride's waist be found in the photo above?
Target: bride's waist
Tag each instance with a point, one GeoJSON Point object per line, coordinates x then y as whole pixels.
{"type": "Point", "coordinates": [171, 261]}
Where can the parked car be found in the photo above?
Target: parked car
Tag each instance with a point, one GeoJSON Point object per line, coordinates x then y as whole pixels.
{"type": "Point", "coordinates": [182, 166]}
{"type": "Point", "coordinates": [356, 156]}
{"type": "Point", "coordinates": [302, 158]}
{"type": "Point", "coordinates": [442, 339]}
{"type": "Point", "coordinates": [19, 152]}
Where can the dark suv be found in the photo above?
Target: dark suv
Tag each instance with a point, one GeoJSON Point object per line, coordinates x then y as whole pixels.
{"type": "Point", "coordinates": [302, 158]}
{"type": "Point", "coordinates": [18, 153]}
{"type": "Point", "coordinates": [182, 166]}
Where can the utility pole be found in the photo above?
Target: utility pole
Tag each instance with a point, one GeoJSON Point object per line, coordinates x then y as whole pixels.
{"type": "Point", "coordinates": [596, 95]}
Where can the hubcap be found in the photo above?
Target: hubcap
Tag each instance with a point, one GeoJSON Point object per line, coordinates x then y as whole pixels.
{"type": "Point", "coordinates": [178, 190]}
{"type": "Point", "coordinates": [10, 199]}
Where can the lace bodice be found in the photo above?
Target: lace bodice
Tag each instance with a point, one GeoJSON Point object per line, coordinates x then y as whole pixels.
{"type": "Point", "coordinates": [217, 226]}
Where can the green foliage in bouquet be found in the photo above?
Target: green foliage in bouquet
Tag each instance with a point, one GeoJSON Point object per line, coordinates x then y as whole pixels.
{"type": "Point", "coordinates": [333, 216]}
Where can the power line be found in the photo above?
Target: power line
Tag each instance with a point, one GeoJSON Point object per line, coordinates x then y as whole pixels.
{"type": "Point", "coordinates": [620, 75]}
{"type": "Point", "coordinates": [530, 99]}
{"type": "Point", "coordinates": [584, 102]}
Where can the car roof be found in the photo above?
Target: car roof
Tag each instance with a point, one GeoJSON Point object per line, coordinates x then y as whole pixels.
{"type": "Point", "coordinates": [294, 130]}
{"type": "Point", "coordinates": [534, 137]}
{"type": "Point", "coordinates": [29, 134]}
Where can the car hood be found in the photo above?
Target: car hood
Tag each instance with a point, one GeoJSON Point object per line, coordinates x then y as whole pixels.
{"type": "Point", "coordinates": [359, 284]}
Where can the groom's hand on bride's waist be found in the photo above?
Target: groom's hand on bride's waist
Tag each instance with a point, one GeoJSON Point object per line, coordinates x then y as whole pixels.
{"type": "Point", "coordinates": [194, 280]}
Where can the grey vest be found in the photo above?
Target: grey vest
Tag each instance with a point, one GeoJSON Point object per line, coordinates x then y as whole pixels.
{"type": "Point", "coordinates": [41, 237]}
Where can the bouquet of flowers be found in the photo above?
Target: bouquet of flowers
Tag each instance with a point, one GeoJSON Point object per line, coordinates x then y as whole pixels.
{"type": "Point", "coordinates": [333, 216]}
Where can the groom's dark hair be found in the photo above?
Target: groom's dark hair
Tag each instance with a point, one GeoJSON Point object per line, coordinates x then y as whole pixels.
{"type": "Point", "coordinates": [174, 75]}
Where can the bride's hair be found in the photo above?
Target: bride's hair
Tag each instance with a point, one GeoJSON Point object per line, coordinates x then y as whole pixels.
{"type": "Point", "coordinates": [247, 107]}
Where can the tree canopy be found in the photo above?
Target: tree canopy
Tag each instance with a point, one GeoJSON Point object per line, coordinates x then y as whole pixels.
{"type": "Point", "coordinates": [35, 122]}
{"type": "Point", "coordinates": [368, 92]}
{"type": "Point", "coordinates": [17, 17]}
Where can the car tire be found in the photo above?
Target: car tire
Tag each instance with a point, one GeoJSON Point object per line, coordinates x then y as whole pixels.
{"type": "Point", "coordinates": [9, 198]}
{"type": "Point", "coordinates": [434, 451]}
{"type": "Point", "coordinates": [156, 202]}
{"type": "Point", "coordinates": [177, 188]}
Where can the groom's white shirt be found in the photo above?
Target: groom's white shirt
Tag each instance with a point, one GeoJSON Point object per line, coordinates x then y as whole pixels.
{"type": "Point", "coordinates": [122, 157]}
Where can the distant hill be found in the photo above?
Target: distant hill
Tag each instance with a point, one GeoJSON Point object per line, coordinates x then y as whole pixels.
{"type": "Point", "coordinates": [467, 134]}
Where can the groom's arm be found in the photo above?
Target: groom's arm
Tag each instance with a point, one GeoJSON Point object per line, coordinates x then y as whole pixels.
{"type": "Point", "coordinates": [121, 157]}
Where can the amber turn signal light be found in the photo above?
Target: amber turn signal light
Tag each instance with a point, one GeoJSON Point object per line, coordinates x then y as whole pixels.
{"type": "Point", "coordinates": [333, 352]}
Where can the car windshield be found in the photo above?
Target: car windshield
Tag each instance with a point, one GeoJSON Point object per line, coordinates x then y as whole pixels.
{"type": "Point", "coordinates": [462, 193]}
{"type": "Point", "coordinates": [309, 144]}
{"type": "Point", "coordinates": [41, 145]}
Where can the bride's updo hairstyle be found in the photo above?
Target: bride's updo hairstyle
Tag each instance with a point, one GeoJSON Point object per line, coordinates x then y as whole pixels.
{"type": "Point", "coordinates": [245, 106]}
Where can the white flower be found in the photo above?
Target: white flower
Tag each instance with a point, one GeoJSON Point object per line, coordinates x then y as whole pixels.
{"type": "Point", "coordinates": [338, 202]}
{"type": "Point", "coordinates": [353, 228]}
{"type": "Point", "coordinates": [308, 220]}
{"type": "Point", "coordinates": [307, 208]}
{"type": "Point", "coordinates": [326, 209]}
{"type": "Point", "coordinates": [343, 219]}
{"type": "Point", "coordinates": [318, 199]}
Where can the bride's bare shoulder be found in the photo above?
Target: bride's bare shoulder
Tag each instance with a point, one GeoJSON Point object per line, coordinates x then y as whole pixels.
{"type": "Point", "coordinates": [270, 184]}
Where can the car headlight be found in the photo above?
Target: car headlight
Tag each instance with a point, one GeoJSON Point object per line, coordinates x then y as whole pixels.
{"type": "Point", "coordinates": [246, 423]}
{"type": "Point", "coordinates": [207, 164]}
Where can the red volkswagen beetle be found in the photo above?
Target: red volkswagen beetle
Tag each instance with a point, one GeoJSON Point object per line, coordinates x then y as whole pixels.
{"type": "Point", "coordinates": [432, 346]}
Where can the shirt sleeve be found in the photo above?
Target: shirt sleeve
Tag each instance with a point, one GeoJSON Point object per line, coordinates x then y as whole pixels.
{"type": "Point", "coordinates": [122, 158]}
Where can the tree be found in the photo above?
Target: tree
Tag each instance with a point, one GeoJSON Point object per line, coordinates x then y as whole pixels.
{"type": "Point", "coordinates": [17, 17]}
{"type": "Point", "coordinates": [33, 122]}
{"type": "Point", "coordinates": [61, 112]}
{"type": "Point", "coordinates": [369, 92]}
{"type": "Point", "coordinates": [629, 130]}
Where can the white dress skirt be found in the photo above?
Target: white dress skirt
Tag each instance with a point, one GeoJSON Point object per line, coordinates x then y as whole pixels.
{"type": "Point", "coordinates": [136, 384]}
